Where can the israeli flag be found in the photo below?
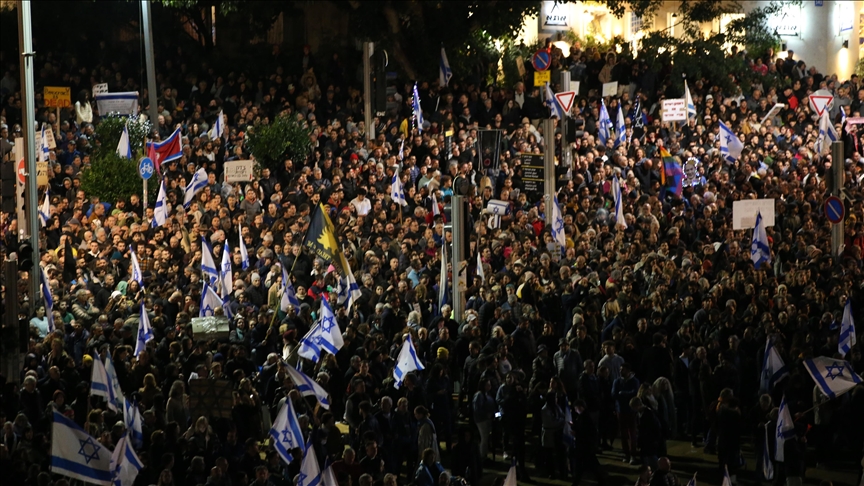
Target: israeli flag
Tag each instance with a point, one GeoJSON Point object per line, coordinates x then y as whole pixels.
{"type": "Point", "coordinates": [443, 289]}
{"type": "Point", "coordinates": [834, 377]}
{"type": "Point", "coordinates": [604, 124]}
{"type": "Point", "coordinates": [77, 454]}
{"type": "Point", "coordinates": [136, 269]}
{"type": "Point", "coordinates": [480, 272]}
{"type": "Point", "coordinates": [496, 208]}
{"type": "Point", "coordinates": [444, 71]}
{"type": "Point", "coordinates": [785, 429]}
{"type": "Point", "coordinates": [101, 386]}
{"type": "Point", "coordinates": [289, 297]}
{"type": "Point", "coordinates": [827, 134]}
{"type": "Point", "coordinates": [397, 192]}
{"type": "Point", "coordinates": [45, 210]}
{"type": "Point", "coordinates": [198, 182]}
{"type": "Point", "coordinates": [767, 463]}
{"type": "Point", "coordinates": [132, 420]}
{"type": "Point", "coordinates": [406, 363]}
{"type": "Point", "coordinates": [558, 224]}
{"type": "Point", "coordinates": [160, 211]}
{"type": "Point", "coordinates": [328, 477]}
{"type": "Point", "coordinates": [309, 387]}
{"type": "Point", "coordinates": [244, 255]}
{"type": "Point", "coordinates": [435, 209]}
{"type": "Point", "coordinates": [730, 146]}
{"type": "Point", "coordinates": [555, 109]}
{"type": "Point", "coordinates": [218, 130]}
{"type": "Point", "coordinates": [226, 274]}
{"type": "Point", "coordinates": [847, 329]}
{"type": "Point", "coordinates": [324, 336]}
{"type": "Point", "coordinates": [124, 146]}
{"type": "Point", "coordinates": [691, 107]}
{"type": "Point", "coordinates": [111, 374]}
{"type": "Point", "coordinates": [418, 111]}
{"type": "Point", "coordinates": [125, 464]}
{"type": "Point", "coordinates": [209, 270]}
{"type": "Point", "coordinates": [692, 481]}
{"type": "Point", "coordinates": [727, 481]}
{"type": "Point", "coordinates": [210, 301]}
{"type": "Point", "coordinates": [348, 290]}
{"type": "Point", "coordinates": [759, 251]}
{"type": "Point", "coordinates": [773, 367]}
{"type": "Point", "coordinates": [49, 300]}
{"type": "Point", "coordinates": [622, 128]}
{"type": "Point", "coordinates": [619, 203]}
{"type": "Point", "coordinates": [310, 471]}
{"type": "Point", "coordinates": [145, 332]}
{"type": "Point", "coordinates": [286, 432]}
{"type": "Point", "coordinates": [44, 149]}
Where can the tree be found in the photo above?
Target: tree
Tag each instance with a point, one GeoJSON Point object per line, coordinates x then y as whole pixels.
{"type": "Point", "coordinates": [238, 15]}
{"type": "Point", "coordinates": [285, 137]}
{"type": "Point", "coordinates": [111, 177]}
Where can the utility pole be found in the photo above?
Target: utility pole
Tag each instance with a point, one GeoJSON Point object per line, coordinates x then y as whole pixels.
{"type": "Point", "coordinates": [458, 261]}
{"type": "Point", "coordinates": [368, 50]}
{"type": "Point", "coordinates": [152, 88]}
{"type": "Point", "coordinates": [31, 228]}
{"type": "Point", "coordinates": [549, 165]}
{"type": "Point", "coordinates": [838, 174]}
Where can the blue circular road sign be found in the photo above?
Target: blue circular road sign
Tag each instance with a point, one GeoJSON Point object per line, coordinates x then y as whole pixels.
{"type": "Point", "coordinates": [541, 60]}
{"type": "Point", "coordinates": [834, 210]}
{"type": "Point", "coordinates": [146, 168]}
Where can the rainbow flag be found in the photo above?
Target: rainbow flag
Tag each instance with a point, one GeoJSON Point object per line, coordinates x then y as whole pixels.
{"type": "Point", "coordinates": [672, 175]}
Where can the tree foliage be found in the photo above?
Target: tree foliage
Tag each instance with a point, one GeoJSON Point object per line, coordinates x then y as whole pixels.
{"type": "Point", "coordinates": [111, 177]}
{"type": "Point", "coordinates": [285, 137]}
{"type": "Point", "coordinates": [110, 128]}
{"type": "Point", "coordinates": [235, 15]}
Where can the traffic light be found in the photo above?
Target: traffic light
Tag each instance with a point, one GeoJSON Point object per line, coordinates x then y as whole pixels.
{"type": "Point", "coordinates": [25, 256]}
{"type": "Point", "coordinates": [8, 188]}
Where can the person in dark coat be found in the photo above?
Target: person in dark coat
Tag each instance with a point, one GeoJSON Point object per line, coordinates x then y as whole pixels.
{"type": "Point", "coordinates": [650, 432]}
{"type": "Point", "coordinates": [467, 461]}
{"type": "Point", "coordinates": [584, 452]}
{"type": "Point", "coordinates": [729, 425]}
{"type": "Point", "coordinates": [657, 360]}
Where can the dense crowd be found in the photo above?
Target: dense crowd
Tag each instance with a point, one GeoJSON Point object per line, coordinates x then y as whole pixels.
{"type": "Point", "coordinates": [632, 335]}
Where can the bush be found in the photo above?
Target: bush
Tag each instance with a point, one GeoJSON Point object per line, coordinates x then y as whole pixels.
{"type": "Point", "coordinates": [284, 138]}
{"type": "Point", "coordinates": [111, 177]}
{"type": "Point", "coordinates": [110, 128]}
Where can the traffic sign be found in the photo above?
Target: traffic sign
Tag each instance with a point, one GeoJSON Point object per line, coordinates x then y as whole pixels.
{"type": "Point", "coordinates": [542, 77]}
{"type": "Point", "coordinates": [834, 210]}
{"type": "Point", "coordinates": [541, 60]}
{"type": "Point", "coordinates": [146, 168]}
{"type": "Point", "coordinates": [821, 100]}
{"type": "Point", "coordinates": [565, 99]}
{"type": "Point", "coordinates": [22, 172]}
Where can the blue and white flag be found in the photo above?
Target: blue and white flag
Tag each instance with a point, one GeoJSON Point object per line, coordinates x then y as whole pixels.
{"type": "Point", "coordinates": [827, 134]}
{"type": "Point", "coordinates": [114, 383]}
{"type": "Point", "coordinates": [160, 211]}
{"type": "Point", "coordinates": [773, 367]}
{"type": "Point", "coordinates": [406, 362]}
{"type": "Point", "coordinates": [785, 428]}
{"type": "Point", "coordinates": [604, 124]}
{"type": "Point", "coordinates": [226, 274]}
{"type": "Point", "coordinates": [496, 208]}
{"type": "Point", "coordinates": [847, 330]}
{"type": "Point", "coordinates": [289, 297]}
{"type": "Point", "coordinates": [397, 192]}
{"type": "Point", "coordinates": [286, 432]}
{"type": "Point", "coordinates": [444, 71]}
{"type": "Point", "coordinates": [760, 252]}
{"type": "Point", "coordinates": [45, 210]}
{"type": "Point", "coordinates": [198, 182]}
{"type": "Point", "coordinates": [557, 224]}
{"type": "Point", "coordinates": [49, 300]}
{"type": "Point", "coordinates": [145, 332]}
{"type": "Point", "coordinates": [436, 211]}
{"type": "Point", "coordinates": [730, 146]}
{"type": "Point", "coordinates": [209, 270]}
{"type": "Point", "coordinates": [328, 477]}
{"type": "Point", "coordinates": [210, 301]}
{"type": "Point", "coordinates": [124, 146]}
{"type": "Point", "coordinates": [622, 128]}
{"type": "Point", "coordinates": [418, 111]}
{"type": "Point", "coordinates": [218, 130]}
{"type": "Point", "coordinates": [310, 471]}
{"type": "Point", "coordinates": [244, 255]}
{"type": "Point", "coordinates": [348, 290]}
{"type": "Point", "coordinates": [324, 336]}
{"type": "Point", "coordinates": [691, 107]}
{"type": "Point", "coordinates": [136, 269]}
{"type": "Point", "coordinates": [125, 464]}
{"type": "Point", "coordinates": [100, 384]}
{"type": "Point", "coordinates": [132, 421]}
{"type": "Point", "coordinates": [309, 387]}
{"type": "Point", "coordinates": [619, 203]}
{"type": "Point", "coordinates": [767, 463]}
{"type": "Point", "coordinates": [480, 272]}
{"type": "Point", "coordinates": [44, 148]}
{"type": "Point", "coordinates": [834, 377]}
{"type": "Point", "coordinates": [727, 481]}
{"type": "Point", "coordinates": [77, 454]}
{"type": "Point", "coordinates": [443, 282]}
{"type": "Point", "coordinates": [692, 481]}
{"type": "Point", "coordinates": [555, 108]}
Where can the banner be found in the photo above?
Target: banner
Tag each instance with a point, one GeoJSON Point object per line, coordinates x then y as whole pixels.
{"type": "Point", "coordinates": [674, 110]}
{"type": "Point", "coordinates": [122, 103]}
{"type": "Point", "coordinates": [239, 170]}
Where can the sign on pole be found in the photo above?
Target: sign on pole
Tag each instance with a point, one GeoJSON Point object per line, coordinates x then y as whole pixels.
{"type": "Point", "coordinates": [533, 175]}
{"type": "Point", "coordinates": [834, 210]}
{"type": "Point", "coordinates": [146, 168]}
{"type": "Point", "coordinates": [744, 213]}
{"type": "Point", "coordinates": [542, 77]}
{"type": "Point", "coordinates": [565, 99]}
{"type": "Point", "coordinates": [541, 60]}
{"type": "Point", "coordinates": [773, 112]}
{"type": "Point", "coordinates": [57, 97]}
{"type": "Point", "coordinates": [610, 89]}
{"type": "Point", "coordinates": [674, 110]}
{"type": "Point", "coordinates": [239, 170]}
{"type": "Point", "coordinates": [821, 100]}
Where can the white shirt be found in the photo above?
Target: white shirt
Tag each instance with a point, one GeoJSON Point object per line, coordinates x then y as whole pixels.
{"type": "Point", "coordinates": [362, 207]}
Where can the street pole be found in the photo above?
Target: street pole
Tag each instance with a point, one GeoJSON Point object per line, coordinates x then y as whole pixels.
{"type": "Point", "coordinates": [549, 164]}
{"type": "Point", "coordinates": [460, 276]}
{"type": "Point", "coordinates": [25, 44]}
{"type": "Point", "coordinates": [368, 49]}
{"type": "Point", "coordinates": [152, 89]}
{"type": "Point", "coordinates": [837, 172]}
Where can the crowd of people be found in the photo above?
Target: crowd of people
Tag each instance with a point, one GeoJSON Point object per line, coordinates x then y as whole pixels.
{"type": "Point", "coordinates": [635, 333]}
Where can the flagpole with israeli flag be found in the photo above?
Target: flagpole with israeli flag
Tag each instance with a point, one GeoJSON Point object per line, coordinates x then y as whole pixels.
{"type": "Point", "coordinates": [124, 146]}
{"type": "Point", "coordinates": [100, 385]}
{"type": "Point", "coordinates": [760, 252]}
{"type": "Point", "coordinates": [834, 377]}
{"type": "Point", "coordinates": [406, 362]}
{"type": "Point", "coordinates": [136, 269]}
{"type": "Point", "coordinates": [286, 432]}
{"type": "Point", "coordinates": [619, 203]}
{"type": "Point", "coordinates": [767, 463]}
{"type": "Point", "coordinates": [622, 128]}
{"type": "Point", "coordinates": [324, 336]}
{"type": "Point", "coordinates": [160, 211]}
{"type": "Point", "coordinates": [145, 332]}
{"type": "Point", "coordinates": [557, 224]}
{"type": "Point", "coordinates": [604, 124]}
{"type": "Point", "coordinates": [730, 146]}
{"type": "Point", "coordinates": [555, 108]}
{"type": "Point", "coordinates": [310, 471]}
{"type": "Point", "coordinates": [78, 455]}
{"type": "Point", "coordinates": [45, 209]}
{"type": "Point", "coordinates": [773, 367]}
{"type": "Point", "coordinates": [44, 148]}
{"type": "Point", "coordinates": [480, 272]}
{"type": "Point", "coordinates": [309, 387]}
{"type": "Point", "coordinates": [349, 291]}
{"type": "Point", "coordinates": [132, 420]}
{"type": "Point", "coordinates": [785, 428]}
{"type": "Point", "coordinates": [444, 71]}
{"type": "Point", "coordinates": [49, 300]}
{"type": "Point", "coordinates": [218, 129]}
{"type": "Point", "coordinates": [691, 107]}
{"type": "Point", "coordinates": [418, 111]}
{"type": "Point", "coordinates": [125, 464]}
{"type": "Point", "coordinates": [827, 134]}
{"type": "Point", "coordinates": [692, 481]}
{"type": "Point", "coordinates": [198, 182]}
{"type": "Point", "coordinates": [289, 297]}
{"type": "Point", "coordinates": [210, 301]}
{"type": "Point", "coordinates": [244, 255]}
{"type": "Point", "coordinates": [208, 265]}
{"type": "Point", "coordinates": [226, 274]}
{"type": "Point", "coordinates": [847, 329]}
{"type": "Point", "coordinates": [397, 192]}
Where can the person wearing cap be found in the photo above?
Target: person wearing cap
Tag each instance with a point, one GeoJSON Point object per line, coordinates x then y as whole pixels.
{"type": "Point", "coordinates": [568, 367]}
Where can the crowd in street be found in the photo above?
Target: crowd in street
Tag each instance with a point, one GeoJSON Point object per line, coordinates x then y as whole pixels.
{"type": "Point", "coordinates": [633, 334]}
